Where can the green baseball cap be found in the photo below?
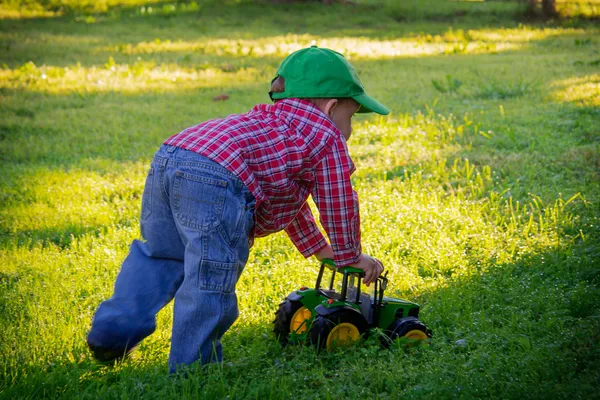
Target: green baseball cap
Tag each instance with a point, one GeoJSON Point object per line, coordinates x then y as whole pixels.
{"type": "Point", "coordinates": [322, 73]}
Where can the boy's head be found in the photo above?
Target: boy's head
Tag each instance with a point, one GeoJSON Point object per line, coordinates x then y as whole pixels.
{"type": "Point", "coordinates": [328, 80]}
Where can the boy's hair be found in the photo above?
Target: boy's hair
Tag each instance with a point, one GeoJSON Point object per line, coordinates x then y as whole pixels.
{"type": "Point", "coordinates": [278, 86]}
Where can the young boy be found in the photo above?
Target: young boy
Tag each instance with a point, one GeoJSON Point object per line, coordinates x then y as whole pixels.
{"type": "Point", "coordinates": [215, 186]}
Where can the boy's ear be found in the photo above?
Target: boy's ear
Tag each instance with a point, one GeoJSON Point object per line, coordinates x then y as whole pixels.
{"type": "Point", "coordinates": [330, 106]}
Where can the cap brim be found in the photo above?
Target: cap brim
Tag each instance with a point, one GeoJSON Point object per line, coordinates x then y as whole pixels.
{"type": "Point", "coordinates": [369, 104]}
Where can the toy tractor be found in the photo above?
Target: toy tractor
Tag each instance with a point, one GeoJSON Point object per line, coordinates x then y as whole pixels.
{"type": "Point", "coordinates": [326, 318]}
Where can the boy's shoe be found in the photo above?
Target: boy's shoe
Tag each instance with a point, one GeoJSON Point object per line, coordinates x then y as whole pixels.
{"type": "Point", "coordinates": [110, 356]}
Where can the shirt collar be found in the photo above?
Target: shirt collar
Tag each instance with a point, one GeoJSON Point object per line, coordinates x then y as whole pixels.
{"type": "Point", "coordinates": [300, 114]}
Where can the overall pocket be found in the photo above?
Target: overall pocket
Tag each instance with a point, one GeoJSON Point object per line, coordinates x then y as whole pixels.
{"type": "Point", "coordinates": [198, 200]}
{"type": "Point", "coordinates": [218, 276]}
{"type": "Point", "coordinates": [147, 195]}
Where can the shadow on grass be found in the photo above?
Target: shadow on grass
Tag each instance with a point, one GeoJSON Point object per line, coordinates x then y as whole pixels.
{"type": "Point", "coordinates": [540, 310]}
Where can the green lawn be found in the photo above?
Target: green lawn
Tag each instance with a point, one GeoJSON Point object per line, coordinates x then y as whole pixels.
{"type": "Point", "coordinates": [480, 192]}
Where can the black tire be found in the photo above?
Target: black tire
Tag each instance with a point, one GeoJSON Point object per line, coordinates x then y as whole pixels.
{"type": "Point", "coordinates": [323, 326]}
{"type": "Point", "coordinates": [283, 319]}
{"type": "Point", "coordinates": [403, 327]}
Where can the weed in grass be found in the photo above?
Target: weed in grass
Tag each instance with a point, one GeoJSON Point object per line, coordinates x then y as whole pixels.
{"type": "Point", "coordinates": [504, 90]}
{"type": "Point", "coordinates": [450, 86]}
{"type": "Point", "coordinates": [583, 42]}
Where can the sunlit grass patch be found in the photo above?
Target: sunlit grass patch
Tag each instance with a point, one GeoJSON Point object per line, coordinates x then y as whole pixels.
{"type": "Point", "coordinates": [442, 232]}
{"type": "Point", "coordinates": [12, 13]}
{"type": "Point", "coordinates": [386, 147]}
{"type": "Point", "coordinates": [52, 206]}
{"type": "Point", "coordinates": [581, 90]}
{"type": "Point", "coordinates": [280, 46]}
{"type": "Point", "coordinates": [578, 8]}
{"type": "Point", "coordinates": [112, 77]}
{"type": "Point", "coordinates": [524, 33]}
{"type": "Point", "coordinates": [18, 9]}
{"type": "Point", "coordinates": [56, 290]}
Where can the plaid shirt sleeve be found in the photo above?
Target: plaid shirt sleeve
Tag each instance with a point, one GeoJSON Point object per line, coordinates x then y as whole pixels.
{"type": "Point", "coordinates": [338, 203]}
{"type": "Point", "coordinates": [304, 233]}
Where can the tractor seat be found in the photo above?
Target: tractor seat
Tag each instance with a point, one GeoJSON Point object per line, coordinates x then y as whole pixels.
{"type": "Point", "coordinates": [331, 294]}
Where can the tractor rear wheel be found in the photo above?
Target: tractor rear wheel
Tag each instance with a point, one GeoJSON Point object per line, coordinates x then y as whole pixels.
{"type": "Point", "coordinates": [410, 328]}
{"type": "Point", "coordinates": [339, 329]}
{"type": "Point", "coordinates": [291, 317]}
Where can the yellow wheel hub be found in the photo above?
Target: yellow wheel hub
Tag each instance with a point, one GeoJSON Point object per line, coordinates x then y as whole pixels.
{"type": "Point", "coordinates": [416, 334]}
{"type": "Point", "coordinates": [300, 320]}
{"type": "Point", "coordinates": [342, 335]}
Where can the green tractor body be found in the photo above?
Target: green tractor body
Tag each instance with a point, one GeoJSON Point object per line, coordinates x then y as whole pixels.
{"type": "Point", "coordinates": [326, 317]}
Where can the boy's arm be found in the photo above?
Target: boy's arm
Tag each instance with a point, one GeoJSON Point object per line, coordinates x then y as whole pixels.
{"type": "Point", "coordinates": [338, 204]}
{"type": "Point", "coordinates": [305, 234]}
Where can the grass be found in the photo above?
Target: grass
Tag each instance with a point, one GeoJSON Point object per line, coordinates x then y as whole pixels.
{"type": "Point", "coordinates": [481, 198]}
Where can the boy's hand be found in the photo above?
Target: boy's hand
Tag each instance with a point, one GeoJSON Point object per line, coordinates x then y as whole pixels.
{"type": "Point", "coordinates": [372, 267]}
{"type": "Point", "coordinates": [325, 252]}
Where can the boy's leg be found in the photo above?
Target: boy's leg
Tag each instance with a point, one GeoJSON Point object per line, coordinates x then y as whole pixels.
{"type": "Point", "coordinates": [214, 213]}
{"type": "Point", "coordinates": [148, 279]}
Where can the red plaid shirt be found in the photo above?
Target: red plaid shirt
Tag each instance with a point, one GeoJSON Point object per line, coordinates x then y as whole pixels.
{"type": "Point", "coordinates": [283, 153]}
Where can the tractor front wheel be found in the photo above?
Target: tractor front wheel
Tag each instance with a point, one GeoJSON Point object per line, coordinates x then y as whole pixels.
{"type": "Point", "coordinates": [291, 317]}
{"type": "Point", "coordinates": [410, 328]}
{"type": "Point", "coordinates": [338, 329]}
